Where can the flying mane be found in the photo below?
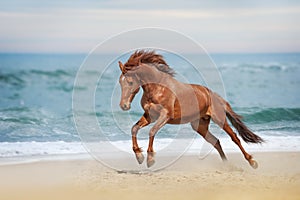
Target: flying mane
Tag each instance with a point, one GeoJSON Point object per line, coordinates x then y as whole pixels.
{"type": "Point", "coordinates": [148, 57]}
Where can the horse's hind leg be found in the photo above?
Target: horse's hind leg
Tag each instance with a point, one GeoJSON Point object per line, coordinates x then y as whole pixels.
{"type": "Point", "coordinates": [237, 141]}
{"type": "Point", "coordinates": [201, 126]}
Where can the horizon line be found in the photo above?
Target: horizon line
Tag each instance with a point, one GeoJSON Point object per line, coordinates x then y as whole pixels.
{"type": "Point", "coordinates": [114, 53]}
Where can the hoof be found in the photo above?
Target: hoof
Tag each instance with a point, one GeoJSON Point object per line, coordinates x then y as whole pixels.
{"type": "Point", "coordinates": [139, 157]}
{"type": "Point", "coordinates": [150, 159]}
{"type": "Point", "coordinates": [253, 164]}
{"type": "Point", "coordinates": [150, 163]}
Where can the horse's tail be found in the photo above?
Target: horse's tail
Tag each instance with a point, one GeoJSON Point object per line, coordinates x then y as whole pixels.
{"type": "Point", "coordinates": [236, 121]}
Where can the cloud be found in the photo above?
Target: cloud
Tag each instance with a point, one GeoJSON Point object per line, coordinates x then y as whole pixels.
{"type": "Point", "coordinates": [220, 28]}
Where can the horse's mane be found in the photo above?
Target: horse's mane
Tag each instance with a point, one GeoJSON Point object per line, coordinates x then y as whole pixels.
{"type": "Point", "coordinates": [148, 57]}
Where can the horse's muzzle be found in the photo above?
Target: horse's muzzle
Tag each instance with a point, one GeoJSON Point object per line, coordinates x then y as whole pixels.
{"type": "Point", "coordinates": [125, 106]}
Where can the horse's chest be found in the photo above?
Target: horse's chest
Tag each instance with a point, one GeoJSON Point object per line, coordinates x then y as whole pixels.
{"type": "Point", "coordinates": [157, 98]}
{"type": "Point", "coordinates": [153, 110]}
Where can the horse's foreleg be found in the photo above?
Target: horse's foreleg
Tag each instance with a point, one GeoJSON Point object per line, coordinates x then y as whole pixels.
{"type": "Point", "coordinates": [144, 121]}
{"type": "Point", "coordinates": [161, 121]}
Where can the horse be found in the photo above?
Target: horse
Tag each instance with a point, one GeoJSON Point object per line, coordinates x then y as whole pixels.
{"type": "Point", "coordinates": [168, 101]}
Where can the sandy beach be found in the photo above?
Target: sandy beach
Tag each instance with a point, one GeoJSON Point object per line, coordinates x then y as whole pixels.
{"type": "Point", "coordinates": [278, 177]}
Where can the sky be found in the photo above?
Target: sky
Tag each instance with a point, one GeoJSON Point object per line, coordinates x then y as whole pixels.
{"type": "Point", "coordinates": [77, 26]}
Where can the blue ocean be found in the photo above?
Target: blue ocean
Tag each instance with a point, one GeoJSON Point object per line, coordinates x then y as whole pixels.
{"type": "Point", "coordinates": [36, 116]}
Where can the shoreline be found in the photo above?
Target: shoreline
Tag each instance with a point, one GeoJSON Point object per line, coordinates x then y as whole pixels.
{"type": "Point", "coordinates": [29, 159]}
{"type": "Point", "coordinates": [277, 177]}
{"type": "Point", "coordinates": [87, 157]}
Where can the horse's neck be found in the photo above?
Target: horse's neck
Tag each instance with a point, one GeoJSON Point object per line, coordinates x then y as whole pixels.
{"type": "Point", "coordinates": [152, 80]}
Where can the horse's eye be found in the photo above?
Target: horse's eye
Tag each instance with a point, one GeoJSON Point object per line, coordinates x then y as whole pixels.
{"type": "Point", "coordinates": [130, 83]}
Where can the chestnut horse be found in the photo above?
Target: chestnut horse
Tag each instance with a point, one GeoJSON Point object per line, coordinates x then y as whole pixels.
{"type": "Point", "coordinates": [168, 101]}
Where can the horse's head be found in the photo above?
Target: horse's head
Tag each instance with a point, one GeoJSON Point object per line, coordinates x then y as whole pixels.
{"type": "Point", "coordinates": [130, 85]}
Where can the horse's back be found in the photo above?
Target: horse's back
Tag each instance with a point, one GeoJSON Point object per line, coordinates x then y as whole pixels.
{"type": "Point", "coordinates": [203, 95]}
{"type": "Point", "coordinates": [191, 105]}
{"type": "Point", "coordinates": [211, 103]}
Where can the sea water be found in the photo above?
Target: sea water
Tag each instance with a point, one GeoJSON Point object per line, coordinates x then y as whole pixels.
{"type": "Point", "coordinates": [36, 115]}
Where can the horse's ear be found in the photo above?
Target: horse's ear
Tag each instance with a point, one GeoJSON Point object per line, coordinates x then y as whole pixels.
{"type": "Point", "coordinates": [122, 67]}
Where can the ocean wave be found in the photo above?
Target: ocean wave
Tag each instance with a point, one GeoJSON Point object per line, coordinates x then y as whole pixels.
{"type": "Point", "coordinates": [33, 148]}
{"type": "Point", "coordinates": [12, 79]}
{"type": "Point", "coordinates": [20, 115]}
{"type": "Point", "coordinates": [194, 146]}
{"type": "Point", "coordinates": [251, 67]}
{"type": "Point", "coordinates": [271, 115]}
{"type": "Point", "coordinates": [22, 78]}
{"type": "Point", "coordinates": [56, 73]}
{"type": "Point", "coordinates": [26, 124]}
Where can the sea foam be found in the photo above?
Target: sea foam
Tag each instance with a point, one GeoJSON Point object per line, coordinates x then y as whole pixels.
{"type": "Point", "coordinates": [189, 146]}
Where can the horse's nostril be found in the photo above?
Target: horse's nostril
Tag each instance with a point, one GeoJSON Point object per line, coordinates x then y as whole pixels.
{"type": "Point", "coordinates": [125, 107]}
